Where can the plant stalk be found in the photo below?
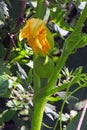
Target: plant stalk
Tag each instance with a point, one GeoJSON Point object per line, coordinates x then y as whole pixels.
{"type": "Point", "coordinates": [38, 114]}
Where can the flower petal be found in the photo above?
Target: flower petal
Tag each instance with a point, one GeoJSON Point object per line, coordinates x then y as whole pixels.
{"type": "Point", "coordinates": [35, 31]}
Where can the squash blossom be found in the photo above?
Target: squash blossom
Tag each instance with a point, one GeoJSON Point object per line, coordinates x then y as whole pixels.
{"type": "Point", "coordinates": [39, 38]}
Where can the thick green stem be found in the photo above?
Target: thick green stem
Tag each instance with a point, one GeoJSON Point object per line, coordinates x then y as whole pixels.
{"type": "Point", "coordinates": [39, 103]}
{"type": "Point", "coordinates": [36, 82]}
{"type": "Point", "coordinates": [38, 114]}
{"type": "Point", "coordinates": [36, 79]}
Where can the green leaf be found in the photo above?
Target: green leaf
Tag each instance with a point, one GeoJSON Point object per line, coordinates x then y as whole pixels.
{"type": "Point", "coordinates": [71, 43]}
{"type": "Point", "coordinates": [74, 41]}
{"type": "Point", "coordinates": [15, 104]}
{"type": "Point", "coordinates": [14, 10]}
{"type": "Point", "coordinates": [8, 115]}
{"type": "Point", "coordinates": [64, 25]}
{"type": "Point", "coordinates": [81, 19]}
{"type": "Point", "coordinates": [74, 122]}
{"type": "Point", "coordinates": [40, 10]}
{"type": "Point", "coordinates": [3, 11]}
{"type": "Point", "coordinates": [3, 85]}
{"type": "Point", "coordinates": [83, 41]}
{"type": "Point", "coordinates": [2, 17]}
{"type": "Point", "coordinates": [3, 69]}
{"type": "Point", "coordinates": [57, 14]}
{"type": "Point", "coordinates": [76, 38]}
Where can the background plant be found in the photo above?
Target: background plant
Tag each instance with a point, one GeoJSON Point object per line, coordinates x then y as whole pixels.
{"type": "Point", "coordinates": [17, 88]}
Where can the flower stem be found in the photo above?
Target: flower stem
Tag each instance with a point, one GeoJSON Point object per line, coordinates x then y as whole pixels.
{"type": "Point", "coordinates": [39, 103]}
{"type": "Point", "coordinates": [38, 114]}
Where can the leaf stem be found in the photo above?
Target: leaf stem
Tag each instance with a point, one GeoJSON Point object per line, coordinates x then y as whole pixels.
{"type": "Point", "coordinates": [62, 107]}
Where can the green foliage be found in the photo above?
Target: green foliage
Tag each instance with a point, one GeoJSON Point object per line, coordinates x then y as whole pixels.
{"type": "Point", "coordinates": [74, 123]}
{"type": "Point", "coordinates": [24, 92]}
{"type": "Point", "coordinates": [3, 11]}
{"type": "Point", "coordinates": [7, 115]}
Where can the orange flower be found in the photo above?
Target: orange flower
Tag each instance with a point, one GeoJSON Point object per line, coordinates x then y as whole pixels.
{"type": "Point", "coordinates": [37, 35]}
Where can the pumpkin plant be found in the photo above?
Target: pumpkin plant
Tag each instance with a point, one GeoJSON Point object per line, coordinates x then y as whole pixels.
{"type": "Point", "coordinates": [40, 39]}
